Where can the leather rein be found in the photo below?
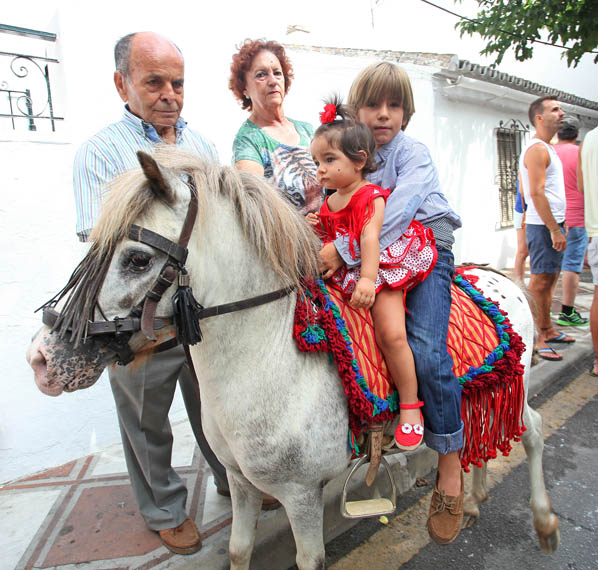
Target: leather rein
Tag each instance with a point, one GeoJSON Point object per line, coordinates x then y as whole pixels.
{"type": "Point", "coordinates": [143, 316]}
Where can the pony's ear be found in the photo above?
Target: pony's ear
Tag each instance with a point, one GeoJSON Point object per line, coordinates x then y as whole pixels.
{"type": "Point", "coordinates": [155, 177]}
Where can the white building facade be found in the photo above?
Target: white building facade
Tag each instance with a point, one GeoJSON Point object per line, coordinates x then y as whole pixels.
{"type": "Point", "coordinates": [473, 119]}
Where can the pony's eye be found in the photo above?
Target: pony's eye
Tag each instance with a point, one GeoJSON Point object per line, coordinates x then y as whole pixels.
{"type": "Point", "coordinates": [138, 261]}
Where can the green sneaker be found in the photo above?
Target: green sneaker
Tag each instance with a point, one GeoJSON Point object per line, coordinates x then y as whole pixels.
{"type": "Point", "coordinates": [572, 320]}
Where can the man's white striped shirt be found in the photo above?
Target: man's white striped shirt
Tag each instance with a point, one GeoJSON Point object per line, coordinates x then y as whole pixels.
{"type": "Point", "coordinates": [111, 152]}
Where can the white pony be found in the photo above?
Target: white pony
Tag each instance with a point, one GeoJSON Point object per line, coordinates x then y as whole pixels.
{"type": "Point", "coordinates": [276, 417]}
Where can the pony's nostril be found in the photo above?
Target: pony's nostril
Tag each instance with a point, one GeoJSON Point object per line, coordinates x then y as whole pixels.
{"type": "Point", "coordinates": [34, 354]}
{"type": "Point", "coordinates": [38, 362]}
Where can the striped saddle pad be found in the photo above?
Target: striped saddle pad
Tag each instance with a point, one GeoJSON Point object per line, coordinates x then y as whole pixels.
{"type": "Point", "coordinates": [484, 348]}
{"type": "Point", "coordinates": [471, 337]}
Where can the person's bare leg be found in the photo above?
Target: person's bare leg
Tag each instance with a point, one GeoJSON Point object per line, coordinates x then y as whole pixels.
{"type": "Point", "coordinates": [540, 287]}
{"type": "Point", "coordinates": [388, 314]}
{"type": "Point", "coordinates": [521, 255]}
{"type": "Point", "coordinates": [594, 327]}
{"type": "Point", "coordinates": [553, 288]}
{"type": "Point", "coordinates": [449, 473]}
{"type": "Point", "coordinates": [570, 283]}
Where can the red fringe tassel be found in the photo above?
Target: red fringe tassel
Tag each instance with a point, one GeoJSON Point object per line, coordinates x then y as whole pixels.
{"type": "Point", "coordinates": [492, 407]}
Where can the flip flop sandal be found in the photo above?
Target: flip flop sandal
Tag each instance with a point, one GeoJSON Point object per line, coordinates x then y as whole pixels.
{"type": "Point", "coordinates": [561, 337]}
{"type": "Point", "coordinates": [548, 353]}
{"type": "Point", "coordinates": [592, 373]}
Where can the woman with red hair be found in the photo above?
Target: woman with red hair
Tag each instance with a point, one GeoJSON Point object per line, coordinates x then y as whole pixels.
{"type": "Point", "coordinates": [269, 143]}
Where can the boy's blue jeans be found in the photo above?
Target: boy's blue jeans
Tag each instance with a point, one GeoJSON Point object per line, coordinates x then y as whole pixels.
{"type": "Point", "coordinates": [429, 306]}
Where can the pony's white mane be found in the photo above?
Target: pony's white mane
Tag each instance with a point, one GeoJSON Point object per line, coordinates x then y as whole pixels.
{"type": "Point", "coordinates": [280, 235]}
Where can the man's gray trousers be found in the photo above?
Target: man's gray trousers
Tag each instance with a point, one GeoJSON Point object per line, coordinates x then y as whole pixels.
{"type": "Point", "coordinates": [143, 394]}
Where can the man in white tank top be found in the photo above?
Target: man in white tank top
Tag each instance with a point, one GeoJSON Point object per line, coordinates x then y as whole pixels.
{"type": "Point", "coordinates": [587, 182]}
{"type": "Point", "coordinates": [544, 192]}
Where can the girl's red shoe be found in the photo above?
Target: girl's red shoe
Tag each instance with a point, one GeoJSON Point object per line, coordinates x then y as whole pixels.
{"type": "Point", "coordinates": [410, 436]}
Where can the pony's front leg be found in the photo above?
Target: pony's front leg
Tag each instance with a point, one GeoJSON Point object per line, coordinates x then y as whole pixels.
{"type": "Point", "coordinates": [477, 495]}
{"type": "Point", "coordinates": [305, 509]}
{"type": "Point", "coordinates": [247, 503]}
{"type": "Point", "coordinates": [545, 521]}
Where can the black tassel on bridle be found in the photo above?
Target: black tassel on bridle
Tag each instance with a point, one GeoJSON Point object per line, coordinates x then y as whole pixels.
{"type": "Point", "coordinates": [186, 312]}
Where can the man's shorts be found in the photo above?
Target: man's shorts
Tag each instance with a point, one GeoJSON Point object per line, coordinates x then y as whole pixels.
{"type": "Point", "coordinates": [593, 259]}
{"type": "Point", "coordinates": [543, 258]}
{"type": "Point", "coordinates": [577, 242]}
{"type": "Point", "coordinates": [518, 219]}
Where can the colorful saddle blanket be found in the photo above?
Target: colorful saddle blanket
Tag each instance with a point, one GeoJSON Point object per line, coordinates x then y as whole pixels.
{"type": "Point", "coordinates": [486, 354]}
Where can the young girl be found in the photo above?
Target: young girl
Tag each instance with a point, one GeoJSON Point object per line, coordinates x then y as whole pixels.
{"type": "Point", "coordinates": [343, 151]}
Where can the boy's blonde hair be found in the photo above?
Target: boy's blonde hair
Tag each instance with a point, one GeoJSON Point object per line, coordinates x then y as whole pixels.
{"type": "Point", "coordinates": [379, 82]}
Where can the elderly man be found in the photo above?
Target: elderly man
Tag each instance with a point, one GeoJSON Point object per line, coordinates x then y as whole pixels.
{"type": "Point", "coordinates": [544, 192]}
{"type": "Point", "coordinates": [149, 78]}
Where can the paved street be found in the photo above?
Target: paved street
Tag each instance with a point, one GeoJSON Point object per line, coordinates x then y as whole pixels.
{"type": "Point", "coordinates": [504, 537]}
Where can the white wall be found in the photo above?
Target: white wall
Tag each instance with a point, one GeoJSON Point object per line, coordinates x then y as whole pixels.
{"type": "Point", "coordinates": [38, 254]}
{"type": "Point", "coordinates": [412, 25]}
{"type": "Point", "coordinates": [19, 74]}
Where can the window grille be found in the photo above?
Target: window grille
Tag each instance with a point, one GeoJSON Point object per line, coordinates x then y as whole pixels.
{"type": "Point", "coordinates": [509, 142]}
{"type": "Point", "coordinates": [25, 91]}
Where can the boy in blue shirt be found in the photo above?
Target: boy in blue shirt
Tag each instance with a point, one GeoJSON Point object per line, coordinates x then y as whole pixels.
{"type": "Point", "coordinates": [382, 97]}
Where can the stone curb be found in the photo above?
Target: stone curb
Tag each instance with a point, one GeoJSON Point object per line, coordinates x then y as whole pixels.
{"type": "Point", "coordinates": [275, 546]}
{"type": "Point", "coordinates": [577, 359]}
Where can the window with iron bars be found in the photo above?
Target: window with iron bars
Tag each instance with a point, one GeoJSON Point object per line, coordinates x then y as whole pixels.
{"type": "Point", "coordinates": [510, 139]}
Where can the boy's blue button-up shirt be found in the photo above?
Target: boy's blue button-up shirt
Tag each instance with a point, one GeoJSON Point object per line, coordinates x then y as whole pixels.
{"type": "Point", "coordinates": [405, 166]}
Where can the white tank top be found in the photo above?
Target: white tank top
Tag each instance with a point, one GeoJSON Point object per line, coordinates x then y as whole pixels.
{"type": "Point", "coordinates": [554, 188]}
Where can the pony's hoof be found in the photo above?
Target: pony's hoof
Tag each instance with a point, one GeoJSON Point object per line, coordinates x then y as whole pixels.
{"type": "Point", "coordinates": [549, 543]}
{"type": "Point", "coordinates": [469, 520]}
{"type": "Point", "coordinates": [548, 535]}
{"type": "Point", "coordinates": [471, 511]}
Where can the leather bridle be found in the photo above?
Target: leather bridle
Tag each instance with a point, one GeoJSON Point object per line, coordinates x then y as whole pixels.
{"type": "Point", "coordinates": [143, 316]}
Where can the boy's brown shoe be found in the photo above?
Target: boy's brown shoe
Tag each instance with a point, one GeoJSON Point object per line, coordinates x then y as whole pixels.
{"type": "Point", "coordinates": [446, 515]}
{"type": "Point", "coordinates": [183, 539]}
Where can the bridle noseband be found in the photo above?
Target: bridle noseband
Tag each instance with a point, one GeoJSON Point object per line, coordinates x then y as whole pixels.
{"type": "Point", "coordinates": [187, 312]}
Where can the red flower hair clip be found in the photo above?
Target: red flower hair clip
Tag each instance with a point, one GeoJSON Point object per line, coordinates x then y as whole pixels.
{"type": "Point", "coordinates": [328, 114]}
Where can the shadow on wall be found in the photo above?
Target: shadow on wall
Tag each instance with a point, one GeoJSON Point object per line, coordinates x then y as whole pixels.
{"type": "Point", "coordinates": [464, 151]}
{"type": "Point", "coordinates": [508, 249]}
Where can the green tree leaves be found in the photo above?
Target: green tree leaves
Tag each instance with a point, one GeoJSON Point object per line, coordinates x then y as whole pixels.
{"type": "Point", "coordinates": [518, 24]}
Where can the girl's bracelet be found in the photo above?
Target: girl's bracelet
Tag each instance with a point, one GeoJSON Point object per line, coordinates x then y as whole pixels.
{"type": "Point", "coordinates": [555, 231]}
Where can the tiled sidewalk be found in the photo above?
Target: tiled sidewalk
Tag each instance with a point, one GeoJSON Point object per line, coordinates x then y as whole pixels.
{"type": "Point", "coordinates": [83, 514]}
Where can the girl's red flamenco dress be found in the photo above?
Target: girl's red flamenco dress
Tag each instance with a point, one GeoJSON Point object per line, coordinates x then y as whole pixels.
{"type": "Point", "coordinates": [403, 264]}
